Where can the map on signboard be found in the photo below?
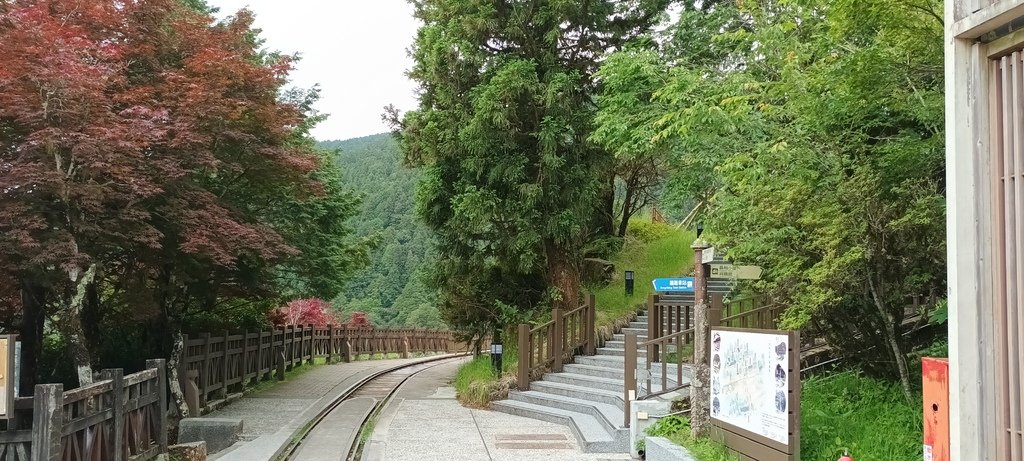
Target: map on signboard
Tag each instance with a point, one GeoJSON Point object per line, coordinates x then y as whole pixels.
{"type": "Point", "coordinates": [749, 382]}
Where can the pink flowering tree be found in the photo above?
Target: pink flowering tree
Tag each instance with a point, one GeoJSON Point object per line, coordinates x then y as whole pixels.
{"type": "Point", "coordinates": [308, 311]}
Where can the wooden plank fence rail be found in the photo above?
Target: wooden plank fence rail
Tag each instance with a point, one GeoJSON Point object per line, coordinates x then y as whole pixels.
{"type": "Point", "coordinates": [548, 346]}
{"type": "Point", "coordinates": [213, 367]}
{"type": "Point", "coordinates": [118, 418]}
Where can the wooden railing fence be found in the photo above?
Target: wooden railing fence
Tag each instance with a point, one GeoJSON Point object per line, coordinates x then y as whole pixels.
{"type": "Point", "coordinates": [118, 418]}
{"type": "Point", "coordinates": [549, 345]}
{"type": "Point", "coordinates": [213, 367]}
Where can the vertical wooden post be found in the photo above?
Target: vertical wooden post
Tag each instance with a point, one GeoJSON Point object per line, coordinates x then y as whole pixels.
{"type": "Point", "coordinates": [525, 355]}
{"type": "Point", "coordinates": [654, 326]}
{"type": "Point", "coordinates": [700, 415]}
{"type": "Point", "coordinates": [330, 344]}
{"type": "Point", "coordinates": [715, 315]}
{"type": "Point", "coordinates": [629, 376]}
{"type": "Point", "coordinates": [161, 392]}
{"type": "Point", "coordinates": [591, 325]}
{"type": "Point", "coordinates": [47, 417]}
{"type": "Point", "coordinates": [226, 366]}
{"type": "Point", "coordinates": [309, 344]}
{"type": "Point", "coordinates": [346, 344]}
{"type": "Point", "coordinates": [116, 375]}
{"type": "Point", "coordinates": [278, 354]}
{"type": "Point", "coordinates": [557, 338]}
{"type": "Point", "coordinates": [244, 379]}
{"type": "Point", "coordinates": [204, 372]}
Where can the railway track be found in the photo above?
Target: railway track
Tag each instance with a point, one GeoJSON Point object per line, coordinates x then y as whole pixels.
{"type": "Point", "coordinates": [338, 432]}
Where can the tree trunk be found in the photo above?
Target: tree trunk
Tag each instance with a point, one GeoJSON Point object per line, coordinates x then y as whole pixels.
{"type": "Point", "coordinates": [92, 317]}
{"type": "Point", "coordinates": [71, 327]}
{"type": "Point", "coordinates": [627, 211]}
{"type": "Point", "coordinates": [893, 339]}
{"type": "Point", "coordinates": [33, 315]}
{"type": "Point", "coordinates": [174, 384]}
{"type": "Point", "coordinates": [563, 275]}
{"type": "Point", "coordinates": [606, 207]}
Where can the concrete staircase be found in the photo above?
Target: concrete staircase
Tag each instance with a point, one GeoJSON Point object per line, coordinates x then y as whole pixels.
{"type": "Point", "coordinates": [587, 396]}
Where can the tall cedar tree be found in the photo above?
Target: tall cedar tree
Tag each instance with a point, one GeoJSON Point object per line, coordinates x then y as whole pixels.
{"type": "Point", "coordinates": [512, 186]}
{"type": "Point", "coordinates": [148, 154]}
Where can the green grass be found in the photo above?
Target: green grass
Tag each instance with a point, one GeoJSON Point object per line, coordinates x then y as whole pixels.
{"type": "Point", "coordinates": [870, 417]}
{"type": "Point", "coordinates": [476, 382]}
{"type": "Point", "coordinates": [288, 375]}
{"type": "Point", "coordinates": [651, 251]}
{"type": "Point", "coordinates": [677, 429]}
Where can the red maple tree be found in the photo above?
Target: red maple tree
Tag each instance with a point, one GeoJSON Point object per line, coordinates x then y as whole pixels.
{"type": "Point", "coordinates": [310, 311]}
{"type": "Point", "coordinates": [142, 144]}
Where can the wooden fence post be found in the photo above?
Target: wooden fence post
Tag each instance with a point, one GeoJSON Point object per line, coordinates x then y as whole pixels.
{"type": "Point", "coordinates": [330, 344]}
{"type": "Point", "coordinates": [245, 360]}
{"type": "Point", "coordinates": [558, 338]}
{"type": "Point", "coordinates": [310, 343]}
{"type": "Point", "coordinates": [346, 345]}
{"type": "Point", "coordinates": [279, 355]}
{"type": "Point", "coordinates": [116, 375]}
{"type": "Point", "coordinates": [204, 372]}
{"type": "Point", "coordinates": [525, 354]}
{"type": "Point", "coordinates": [629, 376]}
{"type": "Point", "coordinates": [590, 324]}
{"type": "Point", "coordinates": [47, 418]}
{"type": "Point", "coordinates": [226, 366]}
{"type": "Point", "coordinates": [161, 392]}
{"type": "Point", "coordinates": [654, 326]}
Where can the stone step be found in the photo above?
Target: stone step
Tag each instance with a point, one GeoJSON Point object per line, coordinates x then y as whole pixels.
{"type": "Point", "coordinates": [615, 373]}
{"type": "Point", "coordinates": [604, 361]}
{"type": "Point", "coordinates": [621, 345]}
{"type": "Point", "coordinates": [594, 382]}
{"type": "Point", "coordinates": [578, 392]}
{"type": "Point", "coordinates": [622, 337]}
{"type": "Point", "coordinates": [591, 434]}
{"type": "Point", "coordinates": [620, 352]}
{"type": "Point", "coordinates": [610, 416]}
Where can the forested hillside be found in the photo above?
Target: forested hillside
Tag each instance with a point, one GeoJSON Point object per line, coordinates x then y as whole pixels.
{"type": "Point", "coordinates": [391, 289]}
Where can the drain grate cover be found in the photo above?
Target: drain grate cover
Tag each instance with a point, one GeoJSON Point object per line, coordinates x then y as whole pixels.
{"type": "Point", "coordinates": [532, 442]}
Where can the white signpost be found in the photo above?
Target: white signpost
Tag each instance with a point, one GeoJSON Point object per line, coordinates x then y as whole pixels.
{"type": "Point", "coordinates": [707, 255]}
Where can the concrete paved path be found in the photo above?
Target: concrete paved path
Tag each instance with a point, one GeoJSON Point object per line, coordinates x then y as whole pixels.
{"type": "Point", "coordinates": [272, 417]}
{"type": "Point", "coordinates": [424, 422]}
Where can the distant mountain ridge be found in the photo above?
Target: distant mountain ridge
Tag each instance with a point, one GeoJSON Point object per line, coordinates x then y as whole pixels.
{"type": "Point", "coordinates": [390, 289]}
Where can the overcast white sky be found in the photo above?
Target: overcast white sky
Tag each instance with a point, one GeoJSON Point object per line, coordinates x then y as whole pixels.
{"type": "Point", "coordinates": [355, 50]}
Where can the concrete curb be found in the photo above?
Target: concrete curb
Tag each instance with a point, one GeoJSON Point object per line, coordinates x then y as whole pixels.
{"type": "Point", "coordinates": [278, 443]}
{"type": "Point", "coordinates": [661, 449]}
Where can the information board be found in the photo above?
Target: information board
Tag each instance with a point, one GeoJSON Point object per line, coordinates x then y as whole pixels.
{"type": "Point", "coordinates": [750, 382]}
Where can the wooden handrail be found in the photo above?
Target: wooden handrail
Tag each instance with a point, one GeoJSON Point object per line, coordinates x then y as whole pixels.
{"type": "Point", "coordinates": [550, 344]}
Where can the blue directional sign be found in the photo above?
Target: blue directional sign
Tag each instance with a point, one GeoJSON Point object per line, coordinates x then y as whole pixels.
{"type": "Point", "coordinates": [676, 285]}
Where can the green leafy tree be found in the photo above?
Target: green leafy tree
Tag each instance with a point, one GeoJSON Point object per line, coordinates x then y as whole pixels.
{"type": "Point", "coordinates": [512, 185]}
{"type": "Point", "coordinates": [826, 123]}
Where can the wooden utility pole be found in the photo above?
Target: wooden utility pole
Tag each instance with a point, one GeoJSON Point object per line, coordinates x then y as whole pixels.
{"type": "Point", "coordinates": [700, 386]}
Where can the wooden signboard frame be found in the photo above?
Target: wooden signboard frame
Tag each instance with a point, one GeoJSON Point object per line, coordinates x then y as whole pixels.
{"type": "Point", "coordinates": [751, 446]}
{"type": "Point", "coordinates": [7, 382]}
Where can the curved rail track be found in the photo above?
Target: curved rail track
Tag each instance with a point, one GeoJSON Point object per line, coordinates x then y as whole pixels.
{"type": "Point", "coordinates": [338, 431]}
